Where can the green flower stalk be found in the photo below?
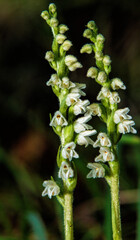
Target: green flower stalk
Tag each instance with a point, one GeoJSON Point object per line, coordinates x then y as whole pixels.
{"type": "Point", "coordinates": [117, 121]}
{"type": "Point", "coordinates": [65, 122]}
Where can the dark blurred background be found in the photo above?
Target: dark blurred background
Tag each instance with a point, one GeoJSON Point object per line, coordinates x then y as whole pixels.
{"type": "Point", "coordinates": [28, 145]}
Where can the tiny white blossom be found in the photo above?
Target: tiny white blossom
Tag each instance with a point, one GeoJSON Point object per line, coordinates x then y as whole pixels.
{"type": "Point", "coordinates": [49, 56]}
{"type": "Point", "coordinates": [63, 28]}
{"type": "Point", "coordinates": [68, 151]}
{"type": "Point", "coordinates": [72, 98]}
{"type": "Point", "coordinates": [87, 48]}
{"type": "Point", "coordinates": [84, 139]}
{"type": "Point", "coordinates": [80, 106]}
{"type": "Point", "coordinates": [54, 80]}
{"type": "Point", "coordinates": [58, 120]}
{"type": "Point", "coordinates": [54, 22]}
{"type": "Point", "coordinates": [117, 83]}
{"type": "Point", "coordinates": [102, 77]}
{"type": "Point", "coordinates": [98, 55]}
{"type": "Point", "coordinates": [65, 171]}
{"type": "Point", "coordinates": [74, 66]}
{"type": "Point", "coordinates": [92, 72]}
{"type": "Point", "coordinates": [77, 90]}
{"type": "Point", "coordinates": [106, 60]}
{"type": "Point", "coordinates": [51, 188]}
{"type": "Point", "coordinates": [102, 141]}
{"type": "Point", "coordinates": [104, 93]}
{"type": "Point", "coordinates": [80, 124]}
{"type": "Point", "coordinates": [60, 38]}
{"type": "Point", "coordinates": [114, 98]}
{"type": "Point", "coordinates": [66, 83]}
{"type": "Point", "coordinates": [126, 127]}
{"type": "Point", "coordinates": [105, 155]}
{"type": "Point", "coordinates": [70, 59]}
{"type": "Point", "coordinates": [100, 38]}
{"type": "Point", "coordinates": [97, 170]}
{"type": "Point", "coordinates": [66, 45]}
{"type": "Point", "coordinates": [121, 114]}
{"type": "Point", "coordinates": [45, 15]}
{"type": "Point", "coordinates": [94, 109]}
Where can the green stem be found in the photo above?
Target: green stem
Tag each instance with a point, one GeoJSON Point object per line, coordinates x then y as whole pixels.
{"type": "Point", "coordinates": [115, 201]}
{"type": "Point", "coordinates": [68, 215]}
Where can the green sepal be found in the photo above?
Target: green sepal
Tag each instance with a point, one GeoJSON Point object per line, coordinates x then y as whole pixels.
{"type": "Point", "coordinates": [55, 47]}
{"type": "Point", "coordinates": [58, 158]}
{"type": "Point", "coordinates": [100, 65]}
{"type": "Point", "coordinates": [70, 183]}
{"type": "Point", "coordinates": [107, 69]}
{"type": "Point", "coordinates": [68, 133]}
{"type": "Point", "coordinates": [60, 199]}
{"type": "Point", "coordinates": [56, 90]}
{"type": "Point", "coordinates": [62, 70]}
{"type": "Point", "coordinates": [71, 115]}
{"type": "Point", "coordinates": [53, 65]}
{"type": "Point", "coordinates": [103, 116]}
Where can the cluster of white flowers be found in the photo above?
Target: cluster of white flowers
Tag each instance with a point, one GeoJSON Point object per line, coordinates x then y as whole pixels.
{"type": "Point", "coordinates": [71, 129]}
{"type": "Point", "coordinates": [124, 121]}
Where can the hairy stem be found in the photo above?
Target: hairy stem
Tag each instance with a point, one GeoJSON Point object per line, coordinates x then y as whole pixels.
{"type": "Point", "coordinates": [68, 216]}
{"type": "Point", "coordinates": [115, 201]}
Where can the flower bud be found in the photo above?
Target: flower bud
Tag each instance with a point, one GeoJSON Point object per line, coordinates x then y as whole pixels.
{"type": "Point", "coordinates": [54, 22]}
{"type": "Point", "coordinates": [52, 8]}
{"type": "Point", "coordinates": [45, 15]}
{"type": "Point", "coordinates": [63, 28]}
{"type": "Point", "coordinates": [49, 56]}
{"type": "Point", "coordinates": [87, 33]}
{"type": "Point", "coordinates": [60, 38]}
{"type": "Point", "coordinates": [87, 48]}
{"type": "Point", "coordinates": [100, 38]}
{"type": "Point", "coordinates": [102, 77]}
{"type": "Point", "coordinates": [117, 83]}
{"type": "Point", "coordinates": [98, 55]}
{"type": "Point", "coordinates": [66, 45]}
{"type": "Point", "coordinates": [92, 72]}
{"type": "Point", "coordinates": [92, 25]}
{"type": "Point", "coordinates": [106, 60]}
{"type": "Point", "coordinates": [70, 59]}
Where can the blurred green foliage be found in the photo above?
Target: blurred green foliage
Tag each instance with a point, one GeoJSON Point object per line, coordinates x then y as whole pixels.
{"type": "Point", "coordinates": [28, 146]}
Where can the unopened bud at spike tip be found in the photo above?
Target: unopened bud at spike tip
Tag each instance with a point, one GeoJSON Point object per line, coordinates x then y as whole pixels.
{"type": "Point", "coordinates": [45, 15]}
{"type": "Point", "coordinates": [52, 8]}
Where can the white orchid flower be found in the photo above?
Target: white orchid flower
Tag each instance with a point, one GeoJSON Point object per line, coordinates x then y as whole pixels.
{"type": "Point", "coordinates": [66, 83]}
{"type": "Point", "coordinates": [58, 120]}
{"type": "Point", "coordinates": [80, 124]}
{"type": "Point", "coordinates": [80, 106]}
{"type": "Point", "coordinates": [104, 93]}
{"type": "Point", "coordinates": [72, 98]}
{"type": "Point", "coordinates": [65, 171]}
{"type": "Point", "coordinates": [126, 127]}
{"type": "Point", "coordinates": [114, 98]}
{"type": "Point", "coordinates": [117, 83]}
{"type": "Point", "coordinates": [51, 188]}
{"type": "Point", "coordinates": [94, 109]}
{"type": "Point", "coordinates": [121, 114]}
{"type": "Point", "coordinates": [68, 151]}
{"type": "Point", "coordinates": [84, 139]}
{"type": "Point", "coordinates": [54, 80]}
{"type": "Point", "coordinates": [105, 155]}
{"type": "Point", "coordinates": [102, 141]}
{"type": "Point", "coordinates": [97, 170]}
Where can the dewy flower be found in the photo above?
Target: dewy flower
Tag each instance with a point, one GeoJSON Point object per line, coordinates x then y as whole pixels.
{"type": "Point", "coordinates": [114, 98]}
{"type": "Point", "coordinates": [66, 83]}
{"type": "Point", "coordinates": [68, 151]}
{"type": "Point", "coordinates": [80, 106]}
{"type": "Point", "coordinates": [104, 93]}
{"type": "Point", "coordinates": [102, 141]}
{"type": "Point", "coordinates": [117, 83]}
{"type": "Point", "coordinates": [72, 98]}
{"type": "Point", "coordinates": [97, 170]}
{"type": "Point", "coordinates": [65, 171]}
{"type": "Point", "coordinates": [126, 127]}
{"type": "Point", "coordinates": [84, 139]}
{"type": "Point", "coordinates": [105, 155]}
{"type": "Point", "coordinates": [58, 120]}
{"type": "Point", "coordinates": [94, 109]}
{"type": "Point", "coordinates": [80, 124]}
{"type": "Point", "coordinates": [54, 80]}
{"type": "Point", "coordinates": [51, 189]}
{"type": "Point", "coordinates": [121, 114]}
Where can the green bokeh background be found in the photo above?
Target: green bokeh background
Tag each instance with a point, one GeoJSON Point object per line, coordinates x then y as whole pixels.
{"type": "Point", "coordinates": [29, 146]}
